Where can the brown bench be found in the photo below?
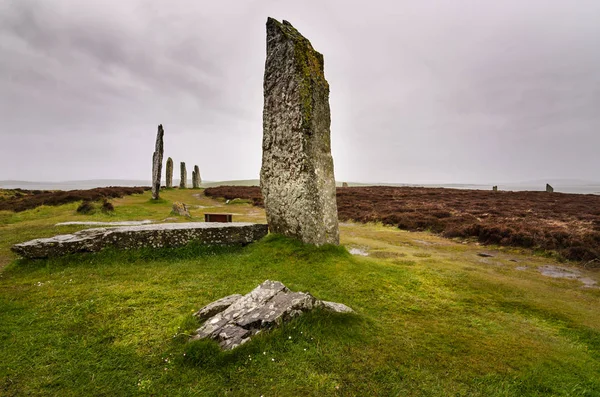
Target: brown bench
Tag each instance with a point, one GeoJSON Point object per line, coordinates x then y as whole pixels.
{"type": "Point", "coordinates": [217, 218]}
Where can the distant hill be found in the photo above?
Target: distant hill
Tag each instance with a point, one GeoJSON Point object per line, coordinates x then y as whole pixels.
{"type": "Point", "coordinates": [560, 185]}
{"type": "Point", "coordinates": [71, 185]}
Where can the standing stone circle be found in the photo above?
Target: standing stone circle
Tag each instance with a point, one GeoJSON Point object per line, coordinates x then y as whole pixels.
{"type": "Point", "coordinates": [183, 172]}
{"type": "Point", "coordinates": [297, 179]}
{"type": "Point", "coordinates": [157, 163]}
{"type": "Point", "coordinates": [169, 176]}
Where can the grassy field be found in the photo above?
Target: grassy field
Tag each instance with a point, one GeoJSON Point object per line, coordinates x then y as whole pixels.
{"type": "Point", "coordinates": [433, 318]}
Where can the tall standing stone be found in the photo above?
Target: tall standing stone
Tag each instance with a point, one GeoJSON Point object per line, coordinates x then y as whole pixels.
{"type": "Point", "coordinates": [169, 176]}
{"type": "Point", "coordinates": [157, 163]}
{"type": "Point", "coordinates": [196, 177]}
{"type": "Point", "coordinates": [549, 188]}
{"type": "Point", "coordinates": [296, 177]}
{"type": "Point", "coordinates": [183, 181]}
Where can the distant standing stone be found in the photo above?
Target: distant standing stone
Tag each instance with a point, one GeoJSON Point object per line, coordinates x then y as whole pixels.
{"type": "Point", "coordinates": [495, 188]}
{"type": "Point", "coordinates": [196, 181]}
{"type": "Point", "coordinates": [549, 188]}
{"type": "Point", "coordinates": [157, 163]}
{"type": "Point", "coordinates": [169, 176]}
{"type": "Point", "coordinates": [345, 184]}
{"type": "Point", "coordinates": [183, 181]}
{"type": "Point", "coordinates": [297, 178]}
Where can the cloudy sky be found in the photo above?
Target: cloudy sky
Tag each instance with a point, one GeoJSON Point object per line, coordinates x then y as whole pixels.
{"type": "Point", "coordinates": [466, 91]}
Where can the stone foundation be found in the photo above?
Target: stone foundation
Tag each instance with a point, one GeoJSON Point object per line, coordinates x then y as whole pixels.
{"type": "Point", "coordinates": [131, 237]}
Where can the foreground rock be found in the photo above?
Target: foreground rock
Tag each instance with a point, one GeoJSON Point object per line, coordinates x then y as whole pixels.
{"type": "Point", "coordinates": [154, 236]}
{"type": "Point", "coordinates": [157, 163]}
{"type": "Point", "coordinates": [233, 320]}
{"type": "Point", "coordinates": [297, 179]}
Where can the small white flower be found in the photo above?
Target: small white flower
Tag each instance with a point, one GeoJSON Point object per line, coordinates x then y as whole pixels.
{"type": "Point", "coordinates": [289, 337]}
{"type": "Point", "coordinates": [272, 359]}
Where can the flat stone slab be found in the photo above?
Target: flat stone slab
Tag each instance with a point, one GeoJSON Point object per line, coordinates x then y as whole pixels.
{"type": "Point", "coordinates": [121, 223]}
{"type": "Point", "coordinates": [155, 236]}
{"type": "Point", "coordinates": [233, 320]}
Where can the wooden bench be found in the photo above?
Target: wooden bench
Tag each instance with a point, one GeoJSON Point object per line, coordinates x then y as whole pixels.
{"type": "Point", "coordinates": [217, 218]}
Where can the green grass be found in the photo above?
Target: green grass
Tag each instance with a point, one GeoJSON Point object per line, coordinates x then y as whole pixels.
{"type": "Point", "coordinates": [432, 318]}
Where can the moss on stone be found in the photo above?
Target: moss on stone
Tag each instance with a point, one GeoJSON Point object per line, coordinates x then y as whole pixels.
{"type": "Point", "coordinates": [309, 66]}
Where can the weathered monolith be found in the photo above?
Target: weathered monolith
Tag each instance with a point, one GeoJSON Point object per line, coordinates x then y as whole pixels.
{"type": "Point", "coordinates": [549, 188]}
{"type": "Point", "coordinates": [495, 188]}
{"type": "Point", "coordinates": [157, 163]}
{"type": "Point", "coordinates": [183, 181]}
{"type": "Point", "coordinates": [169, 176]}
{"type": "Point", "coordinates": [297, 178]}
{"type": "Point", "coordinates": [344, 184]}
{"type": "Point", "coordinates": [196, 180]}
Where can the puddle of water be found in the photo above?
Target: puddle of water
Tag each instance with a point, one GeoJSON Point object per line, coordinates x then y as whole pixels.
{"type": "Point", "coordinates": [358, 251]}
{"type": "Point", "coordinates": [423, 242]}
{"type": "Point", "coordinates": [563, 272]}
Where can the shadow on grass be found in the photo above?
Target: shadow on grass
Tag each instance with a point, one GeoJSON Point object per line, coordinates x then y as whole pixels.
{"type": "Point", "coordinates": [567, 327]}
{"type": "Point", "coordinates": [111, 256]}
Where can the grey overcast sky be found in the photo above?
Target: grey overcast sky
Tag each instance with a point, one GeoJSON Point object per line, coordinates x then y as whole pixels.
{"type": "Point", "coordinates": [466, 91]}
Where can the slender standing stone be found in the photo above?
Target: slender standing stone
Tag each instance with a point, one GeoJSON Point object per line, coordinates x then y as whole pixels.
{"type": "Point", "coordinates": [495, 188]}
{"type": "Point", "coordinates": [196, 177]}
{"type": "Point", "coordinates": [549, 188]}
{"type": "Point", "coordinates": [183, 181]}
{"type": "Point", "coordinates": [297, 179]}
{"type": "Point", "coordinates": [169, 176]}
{"type": "Point", "coordinates": [157, 163]}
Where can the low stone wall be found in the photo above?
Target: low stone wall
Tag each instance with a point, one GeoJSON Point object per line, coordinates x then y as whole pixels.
{"type": "Point", "coordinates": [130, 237]}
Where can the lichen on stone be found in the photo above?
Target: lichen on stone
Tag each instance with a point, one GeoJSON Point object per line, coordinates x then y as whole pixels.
{"type": "Point", "coordinates": [297, 177]}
